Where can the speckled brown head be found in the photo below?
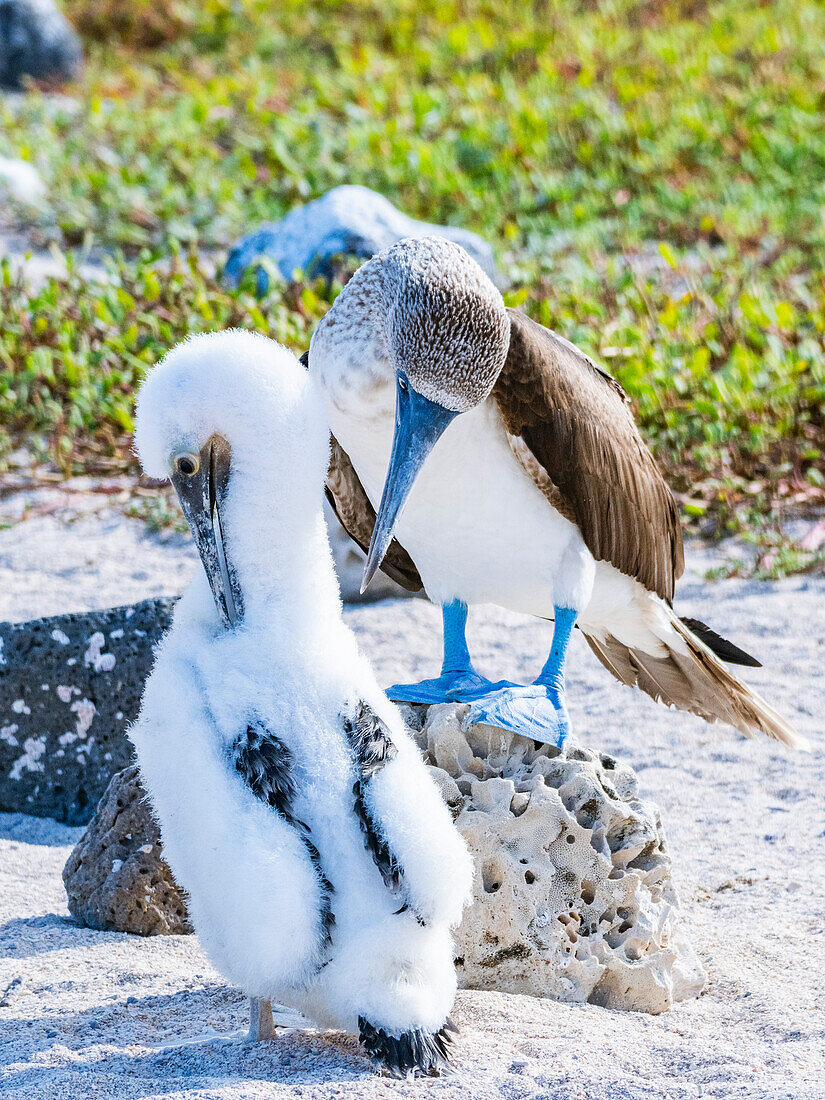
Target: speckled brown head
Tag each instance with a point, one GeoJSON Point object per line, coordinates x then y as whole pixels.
{"type": "Point", "coordinates": [446, 324]}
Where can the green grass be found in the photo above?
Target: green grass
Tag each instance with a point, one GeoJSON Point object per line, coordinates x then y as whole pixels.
{"type": "Point", "coordinates": [72, 354]}
{"type": "Point", "coordinates": [575, 136]}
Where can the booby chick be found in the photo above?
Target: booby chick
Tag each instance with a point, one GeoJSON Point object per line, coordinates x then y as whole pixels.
{"type": "Point", "coordinates": [322, 866]}
{"type": "Point", "coordinates": [485, 458]}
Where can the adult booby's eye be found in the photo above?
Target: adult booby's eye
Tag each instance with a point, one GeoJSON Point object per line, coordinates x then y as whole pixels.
{"type": "Point", "coordinates": [402, 382]}
{"type": "Point", "coordinates": [187, 464]}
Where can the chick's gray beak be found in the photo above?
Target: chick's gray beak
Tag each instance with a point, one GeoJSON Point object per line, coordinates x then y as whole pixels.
{"type": "Point", "coordinates": [419, 424]}
{"type": "Point", "coordinates": [201, 481]}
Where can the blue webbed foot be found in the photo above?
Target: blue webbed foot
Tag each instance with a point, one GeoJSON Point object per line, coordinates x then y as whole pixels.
{"type": "Point", "coordinates": [449, 687]}
{"type": "Point", "coordinates": [532, 710]}
{"type": "Point", "coordinates": [459, 682]}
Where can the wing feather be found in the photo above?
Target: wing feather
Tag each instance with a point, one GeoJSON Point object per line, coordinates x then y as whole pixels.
{"type": "Point", "coordinates": [571, 427]}
{"type": "Point", "coordinates": [691, 677]}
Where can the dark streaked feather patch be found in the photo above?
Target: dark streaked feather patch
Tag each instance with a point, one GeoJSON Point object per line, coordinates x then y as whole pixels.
{"type": "Point", "coordinates": [377, 847]}
{"type": "Point", "coordinates": [264, 763]}
{"type": "Point", "coordinates": [412, 1053]}
{"type": "Point", "coordinates": [369, 739]}
{"type": "Point", "coordinates": [372, 747]}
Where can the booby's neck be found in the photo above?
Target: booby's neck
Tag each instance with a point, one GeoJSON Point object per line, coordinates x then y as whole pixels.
{"type": "Point", "coordinates": [350, 356]}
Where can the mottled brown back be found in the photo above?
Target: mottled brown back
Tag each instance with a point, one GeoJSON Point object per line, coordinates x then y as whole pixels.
{"type": "Point", "coordinates": [574, 420]}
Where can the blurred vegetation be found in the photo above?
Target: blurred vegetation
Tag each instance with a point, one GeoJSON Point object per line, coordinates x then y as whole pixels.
{"type": "Point", "coordinates": [135, 23]}
{"type": "Point", "coordinates": [651, 173]}
{"type": "Point", "coordinates": [772, 555]}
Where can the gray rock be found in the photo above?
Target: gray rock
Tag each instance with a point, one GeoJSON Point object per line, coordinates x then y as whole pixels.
{"type": "Point", "coordinates": [116, 879]}
{"type": "Point", "coordinates": [69, 687]}
{"type": "Point", "coordinates": [36, 41]}
{"type": "Point", "coordinates": [347, 221]}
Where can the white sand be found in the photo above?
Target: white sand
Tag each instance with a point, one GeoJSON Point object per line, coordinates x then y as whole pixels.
{"type": "Point", "coordinates": [90, 1015]}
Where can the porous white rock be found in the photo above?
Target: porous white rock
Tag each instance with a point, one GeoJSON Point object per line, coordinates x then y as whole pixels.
{"type": "Point", "coordinates": [572, 897]}
{"type": "Point", "coordinates": [572, 894]}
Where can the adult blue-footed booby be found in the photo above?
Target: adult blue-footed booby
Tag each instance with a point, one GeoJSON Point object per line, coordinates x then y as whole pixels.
{"type": "Point", "coordinates": [322, 866]}
{"type": "Point", "coordinates": [505, 467]}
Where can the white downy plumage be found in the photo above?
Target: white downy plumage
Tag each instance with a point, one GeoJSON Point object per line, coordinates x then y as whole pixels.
{"type": "Point", "coordinates": [291, 668]}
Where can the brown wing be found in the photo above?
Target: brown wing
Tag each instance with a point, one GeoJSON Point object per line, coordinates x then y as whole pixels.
{"type": "Point", "coordinates": [571, 426]}
{"type": "Point", "coordinates": [357, 516]}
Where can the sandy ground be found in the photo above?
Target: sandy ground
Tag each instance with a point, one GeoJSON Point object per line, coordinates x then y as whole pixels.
{"type": "Point", "coordinates": [75, 545]}
{"type": "Point", "coordinates": [90, 1015]}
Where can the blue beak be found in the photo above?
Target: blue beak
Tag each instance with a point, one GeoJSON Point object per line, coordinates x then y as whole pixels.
{"type": "Point", "coordinates": [419, 424]}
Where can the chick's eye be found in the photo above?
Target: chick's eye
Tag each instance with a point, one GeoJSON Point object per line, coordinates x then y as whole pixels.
{"type": "Point", "coordinates": [187, 464]}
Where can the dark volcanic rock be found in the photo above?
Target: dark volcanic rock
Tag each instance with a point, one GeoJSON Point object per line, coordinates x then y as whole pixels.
{"type": "Point", "coordinates": [347, 221]}
{"type": "Point", "coordinates": [36, 41]}
{"type": "Point", "coordinates": [116, 879]}
{"type": "Point", "coordinates": [69, 687]}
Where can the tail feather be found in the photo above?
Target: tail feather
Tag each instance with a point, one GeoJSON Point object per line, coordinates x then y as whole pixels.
{"type": "Point", "coordinates": [722, 647]}
{"type": "Point", "coordinates": [413, 1053]}
{"type": "Point", "coordinates": [691, 677]}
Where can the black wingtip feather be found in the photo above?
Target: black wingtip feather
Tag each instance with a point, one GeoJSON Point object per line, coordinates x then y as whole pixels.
{"type": "Point", "coordinates": [264, 762]}
{"type": "Point", "coordinates": [416, 1053]}
{"type": "Point", "coordinates": [724, 650]}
